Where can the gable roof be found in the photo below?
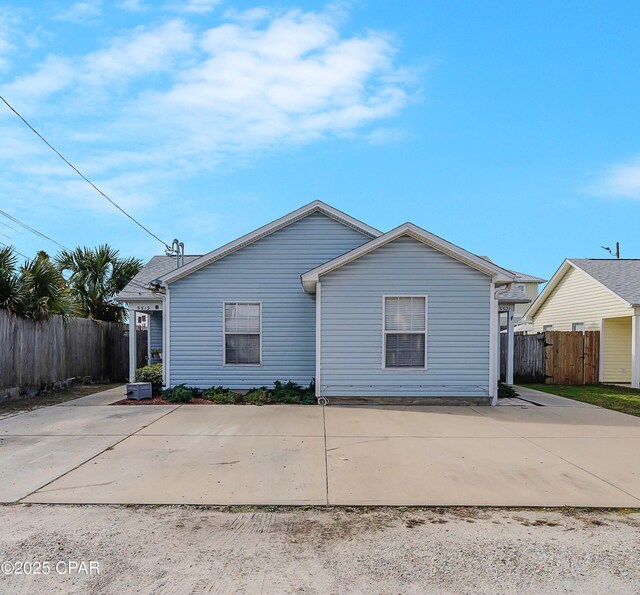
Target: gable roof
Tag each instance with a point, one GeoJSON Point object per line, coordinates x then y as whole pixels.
{"type": "Point", "coordinates": [138, 288]}
{"type": "Point", "coordinates": [500, 275]}
{"type": "Point", "coordinates": [620, 277]}
{"type": "Point", "coordinates": [317, 206]}
{"type": "Point", "coordinates": [524, 278]}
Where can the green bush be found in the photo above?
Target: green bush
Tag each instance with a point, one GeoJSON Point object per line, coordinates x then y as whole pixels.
{"type": "Point", "coordinates": [292, 393]}
{"type": "Point", "coordinates": [180, 394]}
{"type": "Point", "coordinates": [152, 374]}
{"type": "Point", "coordinates": [219, 395]}
{"type": "Point", "coordinates": [505, 391]}
{"type": "Point", "coordinates": [259, 396]}
{"type": "Point", "coordinates": [282, 392]}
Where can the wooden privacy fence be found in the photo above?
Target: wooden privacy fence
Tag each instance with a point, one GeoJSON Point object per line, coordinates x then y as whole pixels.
{"type": "Point", "coordinates": [554, 357]}
{"type": "Point", "coordinates": [35, 355]}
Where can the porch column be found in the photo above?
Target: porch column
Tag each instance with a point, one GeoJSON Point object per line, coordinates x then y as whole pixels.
{"type": "Point", "coordinates": [494, 345]}
{"type": "Point", "coordinates": [635, 348]}
{"type": "Point", "coordinates": [132, 345]}
{"type": "Point", "coordinates": [510, 345]}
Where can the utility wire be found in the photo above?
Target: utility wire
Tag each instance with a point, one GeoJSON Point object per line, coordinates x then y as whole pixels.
{"type": "Point", "coordinates": [74, 168]}
{"type": "Point", "coordinates": [31, 229]}
{"type": "Point", "coordinates": [9, 226]}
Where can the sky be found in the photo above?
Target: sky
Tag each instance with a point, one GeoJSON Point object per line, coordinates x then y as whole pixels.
{"type": "Point", "coordinates": [509, 128]}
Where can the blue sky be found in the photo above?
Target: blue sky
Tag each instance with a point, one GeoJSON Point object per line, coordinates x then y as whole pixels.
{"type": "Point", "coordinates": [509, 128]}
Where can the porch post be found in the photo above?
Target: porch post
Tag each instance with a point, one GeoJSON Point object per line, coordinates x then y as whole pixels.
{"type": "Point", "coordinates": [510, 345]}
{"type": "Point", "coordinates": [494, 344]}
{"type": "Point", "coordinates": [635, 348]}
{"type": "Point", "coordinates": [132, 344]}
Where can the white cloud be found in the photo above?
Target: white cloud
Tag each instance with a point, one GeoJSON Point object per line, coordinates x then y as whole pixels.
{"type": "Point", "coordinates": [167, 100]}
{"type": "Point", "coordinates": [81, 12]}
{"type": "Point", "coordinates": [620, 180]}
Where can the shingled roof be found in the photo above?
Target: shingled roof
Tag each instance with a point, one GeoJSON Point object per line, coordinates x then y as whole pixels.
{"type": "Point", "coordinates": [156, 268]}
{"type": "Point", "coordinates": [620, 275]}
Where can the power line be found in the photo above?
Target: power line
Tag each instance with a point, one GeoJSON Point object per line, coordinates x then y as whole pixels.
{"type": "Point", "coordinates": [9, 226]}
{"type": "Point", "coordinates": [74, 168]}
{"type": "Point", "coordinates": [31, 229]}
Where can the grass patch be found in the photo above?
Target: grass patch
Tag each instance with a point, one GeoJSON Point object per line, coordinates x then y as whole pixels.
{"type": "Point", "coordinates": [618, 398]}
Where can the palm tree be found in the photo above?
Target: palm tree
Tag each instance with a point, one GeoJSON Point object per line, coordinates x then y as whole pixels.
{"type": "Point", "coordinates": [36, 290]}
{"type": "Point", "coordinates": [12, 294]}
{"type": "Point", "coordinates": [95, 277]}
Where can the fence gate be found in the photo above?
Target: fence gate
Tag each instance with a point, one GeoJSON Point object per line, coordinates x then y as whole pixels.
{"type": "Point", "coordinates": [553, 357]}
{"type": "Point", "coordinates": [572, 357]}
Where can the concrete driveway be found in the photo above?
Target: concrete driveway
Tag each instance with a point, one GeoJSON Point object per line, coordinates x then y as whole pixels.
{"type": "Point", "coordinates": [542, 451]}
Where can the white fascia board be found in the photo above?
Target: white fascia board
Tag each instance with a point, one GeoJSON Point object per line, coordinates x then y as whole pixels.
{"type": "Point", "coordinates": [544, 294]}
{"type": "Point", "coordinates": [313, 207]}
{"type": "Point", "coordinates": [498, 274]}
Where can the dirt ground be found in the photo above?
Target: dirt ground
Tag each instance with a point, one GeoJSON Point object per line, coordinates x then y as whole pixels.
{"type": "Point", "coordinates": [28, 403]}
{"type": "Point", "coordinates": [180, 550]}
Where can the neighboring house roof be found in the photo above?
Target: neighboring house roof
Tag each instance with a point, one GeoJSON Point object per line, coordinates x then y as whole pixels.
{"type": "Point", "coordinates": [500, 275]}
{"type": "Point", "coordinates": [521, 277]}
{"type": "Point", "coordinates": [316, 206]}
{"type": "Point", "coordinates": [621, 277]}
{"type": "Point", "coordinates": [512, 295]}
{"type": "Point", "coordinates": [156, 268]}
{"type": "Point", "coordinates": [524, 278]}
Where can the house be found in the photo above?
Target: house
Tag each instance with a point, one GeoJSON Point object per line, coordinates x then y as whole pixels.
{"type": "Point", "coordinates": [320, 295]}
{"type": "Point", "coordinates": [601, 295]}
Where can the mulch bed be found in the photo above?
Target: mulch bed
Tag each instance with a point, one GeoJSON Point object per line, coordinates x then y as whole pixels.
{"type": "Point", "coordinates": [160, 401]}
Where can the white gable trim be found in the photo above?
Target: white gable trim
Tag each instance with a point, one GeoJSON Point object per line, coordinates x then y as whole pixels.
{"type": "Point", "coordinates": [499, 275]}
{"type": "Point", "coordinates": [553, 282]}
{"type": "Point", "coordinates": [317, 206]}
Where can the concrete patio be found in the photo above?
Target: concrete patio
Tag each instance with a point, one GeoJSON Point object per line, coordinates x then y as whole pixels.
{"type": "Point", "coordinates": [539, 450]}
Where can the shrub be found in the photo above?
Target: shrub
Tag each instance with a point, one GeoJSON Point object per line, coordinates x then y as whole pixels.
{"type": "Point", "coordinates": [219, 395]}
{"type": "Point", "coordinates": [259, 396]}
{"type": "Point", "coordinates": [180, 394]}
{"type": "Point", "coordinates": [152, 374]}
{"type": "Point", "coordinates": [505, 391]}
{"type": "Point", "coordinates": [292, 393]}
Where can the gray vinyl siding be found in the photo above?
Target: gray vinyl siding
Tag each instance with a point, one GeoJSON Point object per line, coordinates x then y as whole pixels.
{"type": "Point", "coordinates": [267, 271]}
{"type": "Point", "coordinates": [457, 331]}
{"type": "Point", "coordinates": [155, 330]}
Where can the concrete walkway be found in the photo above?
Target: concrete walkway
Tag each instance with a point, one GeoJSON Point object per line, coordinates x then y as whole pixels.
{"type": "Point", "coordinates": [524, 454]}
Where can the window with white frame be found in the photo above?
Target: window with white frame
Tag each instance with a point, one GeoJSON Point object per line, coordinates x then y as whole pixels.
{"type": "Point", "coordinates": [547, 327]}
{"type": "Point", "coordinates": [242, 330]}
{"type": "Point", "coordinates": [405, 326]}
{"type": "Point", "coordinates": [521, 286]}
{"type": "Point", "coordinates": [577, 326]}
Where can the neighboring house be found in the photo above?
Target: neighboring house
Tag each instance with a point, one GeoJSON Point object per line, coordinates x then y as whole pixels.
{"type": "Point", "coordinates": [528, 285]}
{"type": "Point", "coordinates": [588, 294]}
{"type": "Point", "coordinates": [320, 295]}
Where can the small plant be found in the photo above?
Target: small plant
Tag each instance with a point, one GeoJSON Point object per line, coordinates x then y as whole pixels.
{"type": "Point", "coordinates": [152, 374]}
{"type": "Point", "coordinates": [180, 394]}
{"type": "Point", "coordinates": [505, 391]}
